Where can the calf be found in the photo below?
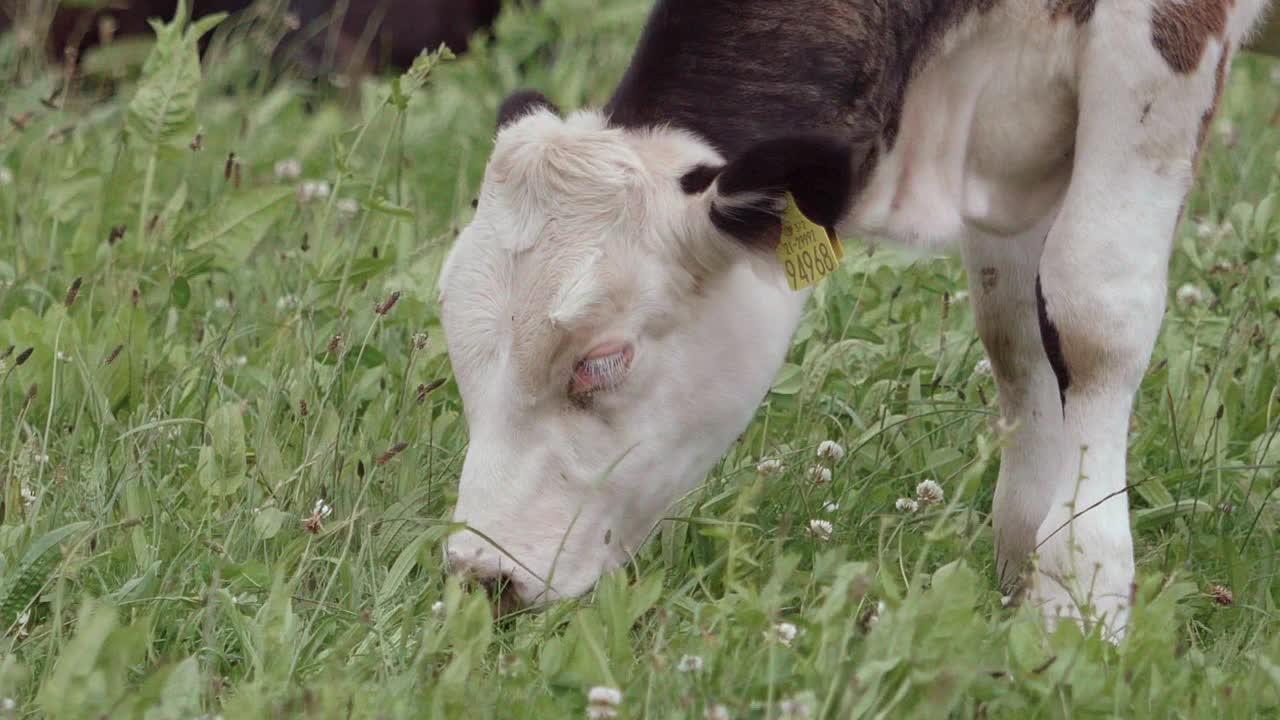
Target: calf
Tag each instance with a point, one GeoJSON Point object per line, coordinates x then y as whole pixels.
{"type": "Point", "coordinates": [614, 311]}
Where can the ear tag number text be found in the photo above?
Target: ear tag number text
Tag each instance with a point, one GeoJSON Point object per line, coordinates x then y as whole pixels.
{"type": "Point", "coordinates": [806, 250]}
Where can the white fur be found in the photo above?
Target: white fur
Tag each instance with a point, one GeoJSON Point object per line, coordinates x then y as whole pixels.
{"type": "Point", "coordinates": [1027, 140]}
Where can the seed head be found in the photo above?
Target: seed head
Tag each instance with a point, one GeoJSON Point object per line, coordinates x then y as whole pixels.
{"type": "Point", "coordinates": [114, 354]}
{"type": "Point", "coordinates": [335, 342]}
{"type": "Point", "coordinates": [389, 455]}
{"type": "Point", "coordinates": [23, 356]}
{"type": "Point", "coordinates": [420, 340]}
{"type": "Point", "coordinates": [830, 451]}
{"type": "Point", "coordinates": [72, 293]}
{"type": "Point", "coordinates": [390, 302]}
{"type": "Point", "coordinates": [425, 390]}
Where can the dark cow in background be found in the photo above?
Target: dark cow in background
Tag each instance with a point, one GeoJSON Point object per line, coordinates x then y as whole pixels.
{"type": "Point", "coordinates": [366, 34]}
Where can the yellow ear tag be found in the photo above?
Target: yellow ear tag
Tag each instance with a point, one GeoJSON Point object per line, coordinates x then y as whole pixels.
{"type": "Point", "coordinates": [806, 250]}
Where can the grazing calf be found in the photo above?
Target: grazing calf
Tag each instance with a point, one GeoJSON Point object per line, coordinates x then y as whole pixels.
{"type": "Point", "coordinates": [615, 312]}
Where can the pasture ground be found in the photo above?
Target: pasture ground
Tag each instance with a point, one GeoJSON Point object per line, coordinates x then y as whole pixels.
{"type": "Point", "coordinates": [231, 368]}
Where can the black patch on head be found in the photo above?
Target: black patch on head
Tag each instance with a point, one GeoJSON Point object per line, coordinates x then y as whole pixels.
{"type": "Point", "coordinates": [699, 179]}
{"type": "Point", "coordinates": [521, 103]}
{"type": "Point", "coordinates": [1053, 346]}
{"type": "Point", "coordinates": [818, 170]}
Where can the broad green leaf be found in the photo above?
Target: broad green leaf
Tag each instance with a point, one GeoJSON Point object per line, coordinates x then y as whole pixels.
{"type": "Point", "coordinates": [238, 221]}
{"type": "Point", "coordinates": [164, 105]}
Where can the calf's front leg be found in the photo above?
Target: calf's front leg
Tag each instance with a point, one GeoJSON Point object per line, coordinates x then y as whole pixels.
{"type": "Point", "coordinates": [1101, 297]}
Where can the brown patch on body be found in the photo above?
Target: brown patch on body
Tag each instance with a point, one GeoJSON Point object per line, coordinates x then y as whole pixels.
{"type": "Point", "coordinates": [1181, 29]}
{"type": "Point", "coordinates": [1079, 10]}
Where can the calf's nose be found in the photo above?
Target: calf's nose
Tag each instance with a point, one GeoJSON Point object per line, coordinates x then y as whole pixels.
{"type": "Point", "coordinates": [498, 584]}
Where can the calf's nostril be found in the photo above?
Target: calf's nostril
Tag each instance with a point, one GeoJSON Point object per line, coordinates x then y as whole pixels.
{"type": "Point", "coordinates": [501, 590]}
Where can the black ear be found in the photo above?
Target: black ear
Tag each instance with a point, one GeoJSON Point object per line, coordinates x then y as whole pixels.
{"type": "Point", "coordinates": [818, 170]}
{"type": "Point", "coordinates": [521, 103]}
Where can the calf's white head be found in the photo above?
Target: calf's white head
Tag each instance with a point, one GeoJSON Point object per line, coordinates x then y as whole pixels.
{"type": "Point", "coordinates": [613, 317]}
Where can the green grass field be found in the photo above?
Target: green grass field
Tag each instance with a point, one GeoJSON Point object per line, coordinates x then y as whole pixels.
{"type": "Point", "coordinates": [234, 363]}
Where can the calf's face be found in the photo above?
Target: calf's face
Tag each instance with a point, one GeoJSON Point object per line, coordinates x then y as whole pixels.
{"type": "Point", "coordinates": [612, 327]}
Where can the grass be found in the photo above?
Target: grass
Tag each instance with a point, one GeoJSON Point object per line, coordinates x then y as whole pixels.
{"type": "Point", "coordinates": [233, 356]}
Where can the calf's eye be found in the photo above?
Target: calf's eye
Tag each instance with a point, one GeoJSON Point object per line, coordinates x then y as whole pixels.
{"type": "Point", "coordinates": [604, 368]}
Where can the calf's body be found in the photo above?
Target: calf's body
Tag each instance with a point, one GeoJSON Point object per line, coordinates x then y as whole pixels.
{"type": "Point", "coordinates": [1053, 141]}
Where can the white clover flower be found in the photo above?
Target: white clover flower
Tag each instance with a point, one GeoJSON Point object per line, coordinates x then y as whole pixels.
{"type": "Point", "coordinates": [287, 302]}
{"type": "Point", "coordinates": [28, 495]}
{"type": "Point", "coordinates": [347, 206]}
{"type": "Point", "coordinates": [221, 304]}
{"type": "Point", "coordinates": [313, 190]}
{"type": "Point", "coordinates": [62, 357]}
{"type": "Point", "coordinates": [23, 618]}
{"type": "Point", "coordinates": [960, 296]}
{"type": "Point", "coordinates": [288, 169]}
{"type": "Point", "coordinates": [1189, 295]}
{"type": "Point", "coordinates": [8, 705]}
{"type": "Point", "coordinates": [716, 712]}
{"type": "Point", "coordinates": [830, 450]}
{"type": "Point", "coordinates": [907, 505]}
{"type": "Point", "coordinates": [322, 509]}
{"type": "Point", "coordinates": [690, 664]}
{"type": "Point", "coordinates": [783, 632]}
{"type": "Point", "coordinates": [821, 529]}
{"type": "Point", "coordinates": [6, 176]}
{"type": "Point", "coordinates": [240, 361]}
{"type": "Point", "coordinates": [930, 493]}
{"type": "Point", "coordinates": [794, 709]}
{"type": "Point", "coordinates": [603, 702]}
{"type": "Point", "coordinates": [831, 507]}
{"type": "Point", "coordinates": [1006, 601]}
{"type": "Point", "coordinates": [437, 608]}
{"type": "Point", "coordinates": [769, 467]}
{"type": "Point", "coordinates": [983, 368]}
{"type": "Point", "coordinates": [1205, 230]}
{"type": "Point", "coordinates": [42, 459]}
{"type": "Point", "coordinates": [820, 475]}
